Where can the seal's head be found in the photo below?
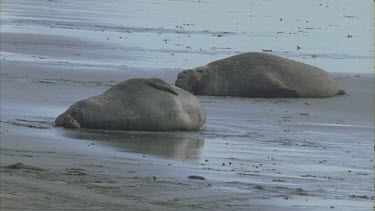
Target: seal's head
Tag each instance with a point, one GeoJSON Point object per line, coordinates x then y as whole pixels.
{"type": "Point", "coordinates": [191, 79]}
{"type": "Point", "coordinates": [69, 119]}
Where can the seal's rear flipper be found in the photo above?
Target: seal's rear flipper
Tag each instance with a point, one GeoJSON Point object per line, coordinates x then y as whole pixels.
{"type": "Point", "coordinates": [161, 85]}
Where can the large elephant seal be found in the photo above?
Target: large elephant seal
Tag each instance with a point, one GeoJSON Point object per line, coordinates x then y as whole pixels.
{"type": "Point", "coordinates": [258, 75]}
{"type": "Point", "coordinates": [137, 104]}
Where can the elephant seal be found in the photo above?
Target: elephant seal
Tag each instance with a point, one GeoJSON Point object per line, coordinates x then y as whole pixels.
{"type": "Point", "coordinates": [137, 104]}
{"type": "Point", "coordinates": [258, 75]}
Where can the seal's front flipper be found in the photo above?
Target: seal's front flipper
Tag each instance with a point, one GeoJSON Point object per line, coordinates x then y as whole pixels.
{"type": "Point", "coordinates": [272, 87]}
{"type": "Point", "coordinates": [161, 85]}
{"type": "Point", "coordinates": [284, 91]}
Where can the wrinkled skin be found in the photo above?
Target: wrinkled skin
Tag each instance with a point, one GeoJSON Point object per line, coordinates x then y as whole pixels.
{"type": "Point", "coordinates": [192, 79]}
{"type": "Point", "coordinates": [137, 104]}
{"type": "Point", "coordinates": [258, 75]}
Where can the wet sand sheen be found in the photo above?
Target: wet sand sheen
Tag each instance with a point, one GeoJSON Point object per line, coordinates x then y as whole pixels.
{"type": "Point", "coordinates": [249, 149]}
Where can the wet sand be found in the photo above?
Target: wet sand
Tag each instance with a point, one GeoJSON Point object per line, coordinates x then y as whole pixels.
{"type": "Point", "coordinates": [260, 154]}
{"type": "Point", "coordinates": [285, 153]}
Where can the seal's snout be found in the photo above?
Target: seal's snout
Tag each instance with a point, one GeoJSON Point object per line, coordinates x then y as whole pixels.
{"type": "Point", "coordinates": [187, 71]}
{"type": "Point", "coordinates": [184, 80]}
{"type": "Point", "coordinates": [66, 119]}
{"type": "Point", "coordinates": [184, 74]}
{"type": "Point", "coordinates": [341, 92]}
{"type": "Point", "coordinates": [181, 76]}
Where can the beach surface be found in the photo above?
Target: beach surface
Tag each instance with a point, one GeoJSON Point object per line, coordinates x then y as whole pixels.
{"type": "Point", "coordinates": [252, 154]}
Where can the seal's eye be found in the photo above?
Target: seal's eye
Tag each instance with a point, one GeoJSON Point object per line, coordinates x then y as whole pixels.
{"type": "Point", "coordinates": [200, 71]}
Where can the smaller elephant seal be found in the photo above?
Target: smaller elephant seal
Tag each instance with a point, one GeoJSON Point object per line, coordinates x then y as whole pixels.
{"type": "Point", "coordinates": [258, 75]}
{"type": "Point", "coordinates": [137, 104]}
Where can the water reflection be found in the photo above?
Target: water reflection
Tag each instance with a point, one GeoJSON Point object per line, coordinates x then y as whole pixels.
{"type": "Point", "coordinates": [151, 143]}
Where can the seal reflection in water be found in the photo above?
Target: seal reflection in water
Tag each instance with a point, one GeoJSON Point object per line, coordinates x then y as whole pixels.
{"type": "Point", "coordinates": [258, 75]}
{"type": "Point", "coordinates": [160, 144]}
{"type": "Point", "coordinates": [137, 104]}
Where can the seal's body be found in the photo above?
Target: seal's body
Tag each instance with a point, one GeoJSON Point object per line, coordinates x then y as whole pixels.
{"type": "Point", "coordinates": [258, 75]}
{"type": "Point", "coordinates": [137, 104]}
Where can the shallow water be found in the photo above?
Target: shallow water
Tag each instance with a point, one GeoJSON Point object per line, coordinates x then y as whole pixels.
{"type": "Point", "coordinates": [335, 36]}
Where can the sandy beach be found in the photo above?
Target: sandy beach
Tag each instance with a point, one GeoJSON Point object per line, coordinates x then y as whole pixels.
{"type": "Point", "coordinates": [252, 154]}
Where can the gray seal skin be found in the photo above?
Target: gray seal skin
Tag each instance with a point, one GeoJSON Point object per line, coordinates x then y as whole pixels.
{"type": "Point", "coordinates": [258, 75]}
{"type": "Point", "coordinates": [137, 104]}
